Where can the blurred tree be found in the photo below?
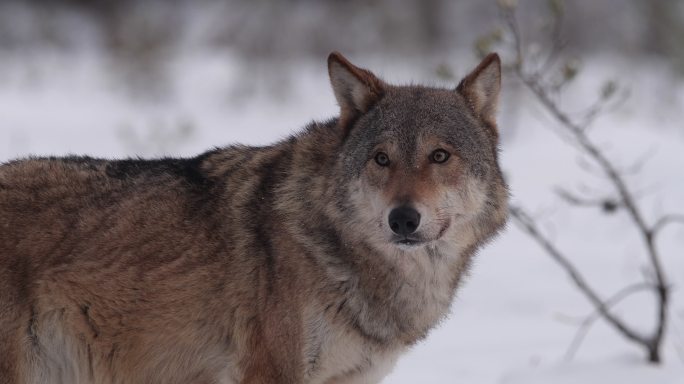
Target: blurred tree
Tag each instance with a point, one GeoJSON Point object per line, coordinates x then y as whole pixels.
{"type": "Point", "coordinates": [664, 31]}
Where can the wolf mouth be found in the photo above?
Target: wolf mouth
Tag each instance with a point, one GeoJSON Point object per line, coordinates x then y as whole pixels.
{"type": "Point", "coordinates": [415, 241]}
{"type": "Point", "coordinates": [411, 242]}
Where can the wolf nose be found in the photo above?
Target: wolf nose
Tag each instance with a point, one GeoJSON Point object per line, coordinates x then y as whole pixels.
{"type": "Point", "coordinates": [404, 220]}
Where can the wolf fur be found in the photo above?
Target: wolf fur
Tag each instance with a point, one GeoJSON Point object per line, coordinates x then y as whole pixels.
{"type": "Point", "coordinates": [245, 264]}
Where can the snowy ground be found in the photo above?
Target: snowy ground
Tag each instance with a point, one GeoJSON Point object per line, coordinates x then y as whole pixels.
{"type": "Point", "coordinates": [510, 323]}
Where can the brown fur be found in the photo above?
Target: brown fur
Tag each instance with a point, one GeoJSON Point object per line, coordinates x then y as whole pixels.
{"type": "Point", "coordinates": [244, 264]}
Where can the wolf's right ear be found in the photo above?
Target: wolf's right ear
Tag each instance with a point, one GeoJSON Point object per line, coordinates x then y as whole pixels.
{"type": "Point", "coordinates": [356, 89]}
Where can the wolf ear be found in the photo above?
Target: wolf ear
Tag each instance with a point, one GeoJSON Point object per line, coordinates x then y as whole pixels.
{"type": "Point", "coordinates": [481, 88]}
{"type": "Point", "coordinates": [355, 88]}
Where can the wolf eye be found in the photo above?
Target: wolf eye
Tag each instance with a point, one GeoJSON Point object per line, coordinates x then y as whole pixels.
{"type": "Point", "coordinates": [439, 156]}
{"type": "Point", "coordinates": [382, 159]}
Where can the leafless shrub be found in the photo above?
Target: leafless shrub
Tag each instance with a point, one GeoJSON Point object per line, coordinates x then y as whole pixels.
{"type": "Point", "coordinates": [545, 75]}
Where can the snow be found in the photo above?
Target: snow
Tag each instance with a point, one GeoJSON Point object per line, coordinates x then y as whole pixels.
{"type": "Point", "coordinates": [517, 314]}
{"type": "Point", "coordinates": [623, 369]}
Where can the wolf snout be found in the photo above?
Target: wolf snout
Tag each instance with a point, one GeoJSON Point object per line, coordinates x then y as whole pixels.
{"type": "Point", "coordinates": [404, 220]}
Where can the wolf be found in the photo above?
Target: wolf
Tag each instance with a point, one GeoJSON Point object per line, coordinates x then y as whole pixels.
{"type": "Point", "coordinates": [318, 259]}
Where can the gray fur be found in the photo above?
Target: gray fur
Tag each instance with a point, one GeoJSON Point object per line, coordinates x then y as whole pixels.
{"type": "Point", "coordinates": [250, 264]}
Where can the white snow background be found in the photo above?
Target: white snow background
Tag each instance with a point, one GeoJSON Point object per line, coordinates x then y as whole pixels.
{"type": "Point", "coordinates": [509, 323]}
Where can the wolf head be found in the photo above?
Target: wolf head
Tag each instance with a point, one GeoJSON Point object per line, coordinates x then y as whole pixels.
{"type": "Point", "coordinates": [419, 164]}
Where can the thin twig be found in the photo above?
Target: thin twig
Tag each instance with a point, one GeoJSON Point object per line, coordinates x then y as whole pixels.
{"type": "Point", "coordinates": [527, 224]}
{"type": "Point", "coordinates": [590, 319]}
{"type": "Point", "coordinates": [601, 106]}
{"type": "Point", "coordinates": [557, 43]}
{"type": "Point", "coordinates": [664, 221]}
{"type": "Point", "coordinates": [607, 204]}
{"type": "Point", "coordinates": [512, 23]}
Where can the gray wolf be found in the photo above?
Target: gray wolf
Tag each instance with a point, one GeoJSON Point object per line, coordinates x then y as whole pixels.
{"type": "Point", "coordinates": [318, 259]}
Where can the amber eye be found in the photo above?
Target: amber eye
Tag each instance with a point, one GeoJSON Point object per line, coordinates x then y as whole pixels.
{"type": "Point", "coordinates": [382, 159]}
{"type": "Point", "coordinates": [439, 156]}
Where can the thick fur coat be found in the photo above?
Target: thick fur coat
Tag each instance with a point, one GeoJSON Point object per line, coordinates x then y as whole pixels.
{"type": "Point", "coordinates": [272, 264]}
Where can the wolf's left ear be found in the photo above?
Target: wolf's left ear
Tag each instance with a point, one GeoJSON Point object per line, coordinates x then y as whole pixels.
{"type": "Point", "coordinates": [356, 89]}
{"type": "Point", "coordinates": [481, 88]}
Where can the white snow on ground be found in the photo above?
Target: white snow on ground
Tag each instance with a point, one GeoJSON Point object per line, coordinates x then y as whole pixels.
{"type": "Point", "coordinates": [510, 323]}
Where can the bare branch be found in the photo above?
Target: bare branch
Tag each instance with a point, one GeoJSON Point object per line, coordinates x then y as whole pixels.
{"type": "Point", "coordinates": [638, 164]}
{"type": "Point", "coordinates": [576, 132]}
{"type": "Point", "coordinates": [591, 318]}
{"type": "Point", "coordinates": [508, 15]}
{"type": "Point", "coordinates": [607, 204]}
{"type": "Point", "coordinates": [664, 221]}
{"type": "Point", "coordinates": [607, 101]}
{"type": "Point", "coordinates": [556, 38]}
{"type": "Point", "coordinates": [529, 226]}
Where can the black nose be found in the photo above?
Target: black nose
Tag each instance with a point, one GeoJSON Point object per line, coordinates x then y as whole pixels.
{"type": "Point", "coordinates": [404, 220]}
